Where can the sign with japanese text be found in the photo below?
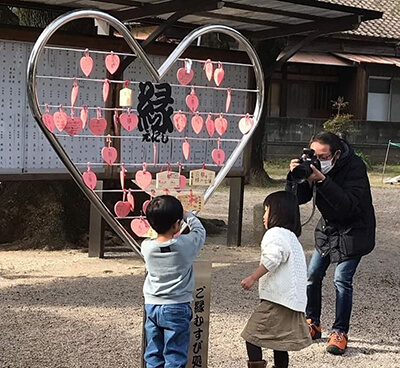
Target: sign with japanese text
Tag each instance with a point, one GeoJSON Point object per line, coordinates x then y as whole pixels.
{"type": "Point", "coordinates": [199, 329]}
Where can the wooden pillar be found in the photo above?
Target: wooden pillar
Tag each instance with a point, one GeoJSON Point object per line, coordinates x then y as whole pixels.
{"type": "Point", "coordinates": [283, 93]}
{"type": "Point", "coordinates": [236, 197]}
{"type": "Point", "coordinates": [96, 228]}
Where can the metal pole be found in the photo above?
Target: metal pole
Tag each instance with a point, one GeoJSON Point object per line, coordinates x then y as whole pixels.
{"type": "Point", "coordinates": [386, 158]}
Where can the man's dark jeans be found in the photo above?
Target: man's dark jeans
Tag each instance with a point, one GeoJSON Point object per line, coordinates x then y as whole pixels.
{"type": "Point", "coordinates": [343, 281]}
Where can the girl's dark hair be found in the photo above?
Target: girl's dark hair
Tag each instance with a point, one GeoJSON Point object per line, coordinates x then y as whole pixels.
{"type": "Point", "coordinates": [164, 211]}
{"type": "Point", "coordinates": [283, 211]}
{"type": "Point", "coordinates": [328, 138]}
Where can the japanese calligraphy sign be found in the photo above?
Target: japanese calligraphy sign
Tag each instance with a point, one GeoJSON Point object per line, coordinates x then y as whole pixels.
{"type": "Point", "coordinates": [155, 111]}
{"type": "Point", "coordinates": [199, 330]}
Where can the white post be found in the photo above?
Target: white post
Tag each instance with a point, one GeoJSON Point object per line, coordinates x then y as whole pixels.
{"type": "Point", "coordinates": [386, 158]}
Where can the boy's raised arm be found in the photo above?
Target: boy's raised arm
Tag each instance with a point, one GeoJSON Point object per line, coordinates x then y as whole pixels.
{"type": "Point", "coordinates": [197, 235]}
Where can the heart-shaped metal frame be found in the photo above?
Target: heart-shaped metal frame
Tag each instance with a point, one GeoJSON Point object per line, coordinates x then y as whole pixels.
{"type": "Point", "coordinates": [157, 75]}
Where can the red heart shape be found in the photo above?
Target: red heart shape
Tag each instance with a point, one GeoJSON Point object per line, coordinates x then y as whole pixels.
{"type": "Point", "coordinates": [109, 154]}
{"type": "Point", "coordinates": [219, 75]}
{"type": "Point", "coordinates": [122, 208]}
{"type": "Point", "coordinates": [186, 149]}
{"type": "Point", "coordinates": [140, 226]}
{"type": "Point", "coordinates": [180, 122]}
{"type": "Point", "coordinates": [74, 94]}
{"type": "Point", "coordinates": [112, 62]}
{"type": "Point", "coordinates": [182, 183]}
{"type": "Point", "coordinates": [48, 121]}
{"type": "Point", "coordinates": [90, 179]}
{"type": "Point", "coordinates": [97, 125]}
{"type": "Point", "coordinates": [129, 121]}
{"type": "Point", "coordinates": [106, 90]}
{"type": "Point", "coordinates": [245, 124]}
{"type": "Point", "coordinates": [86, 64]}
{"type": "Point", "coordinates": [218, 155]}
{"type": "Point", "coordinates": [197, 123]}
{"type": "Point", "coordinates": [143, 179]}
{"type": "Point", "coordinates": [210, 126]}
{"type": "Point", "coordinates": [60, 120]}
{"type": "Point", "coordinates": [221, 125]}
{"type": "Point", "coordinates": [192, 102]}
{"type": "Point", "coordinates": [74, 126]}
{"type": "Point", "coordinates": [131, 200]}
{"type": "Point", "coordinates": [209, 69]}
{"type": "Point", "coordinates": [183, 77]}
{"type": "Point", "coordinates": [84, 117]}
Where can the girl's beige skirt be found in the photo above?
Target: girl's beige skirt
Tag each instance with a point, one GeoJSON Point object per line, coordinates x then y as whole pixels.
{"type": "Point", "coordinates": [276, 327]}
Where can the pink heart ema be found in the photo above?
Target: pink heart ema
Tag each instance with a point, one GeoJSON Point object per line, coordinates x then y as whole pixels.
{"type": "Point", "coordinates": [143, 179]}
{"type": "Point", "coordinates": [109, 154]}
{"type": "Point", "coordinates": [122, 208]}
{"type": "Point", "coordinates": [140, 226]}
{"type": "Point", "coordinates": [129, 121]}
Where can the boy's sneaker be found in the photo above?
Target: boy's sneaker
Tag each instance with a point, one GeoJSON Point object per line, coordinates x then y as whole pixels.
{"type": "Point", "coordinates": [337, 343]}
{"type": "Point", "coordinates": [315, 330]}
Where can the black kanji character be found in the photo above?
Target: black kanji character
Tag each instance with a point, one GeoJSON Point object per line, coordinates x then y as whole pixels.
{"type": "Point", "coordinates": [154, 111]}
{"type": "Point", "coordinates": [199, 306]}
{"type": "Point", "coordinates": [197, 361]}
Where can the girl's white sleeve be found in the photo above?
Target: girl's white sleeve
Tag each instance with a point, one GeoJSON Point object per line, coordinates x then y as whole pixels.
{"type": "Point", "coordinates": [274, 249]}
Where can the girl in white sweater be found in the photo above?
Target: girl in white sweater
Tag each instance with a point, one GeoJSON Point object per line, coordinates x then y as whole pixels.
{"type": "Point", "coordinates": [278, 322]}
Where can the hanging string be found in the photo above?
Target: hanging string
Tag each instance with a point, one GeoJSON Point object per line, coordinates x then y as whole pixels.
{"type": "Point", "coordinates": [132, 54]}
{"type": "Point", "coordinates": [134, 82]}
{"type": "Point", "coordinates": [125, 109]}
{"type": "Point", "coordinates": [141, 137]}
{"type": "Point", "coordinates": [139, 165]}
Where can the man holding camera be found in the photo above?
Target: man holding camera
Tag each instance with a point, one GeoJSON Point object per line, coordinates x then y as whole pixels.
{"type": "Point", "coordinates": [332, 174]}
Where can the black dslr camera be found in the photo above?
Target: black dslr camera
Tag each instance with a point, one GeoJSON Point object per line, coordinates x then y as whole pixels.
{"type": "Point", "coordinates": [303, 171]}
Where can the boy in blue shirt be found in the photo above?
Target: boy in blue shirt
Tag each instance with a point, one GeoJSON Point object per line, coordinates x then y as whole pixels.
{"type": "Point", "coordinates": [169, 283]}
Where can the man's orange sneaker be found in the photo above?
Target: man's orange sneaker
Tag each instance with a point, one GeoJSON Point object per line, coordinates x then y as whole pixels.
{"type": "Point", "coordinates": [315, 331]}
{"type": "Point", "coordinates": [337, 343]}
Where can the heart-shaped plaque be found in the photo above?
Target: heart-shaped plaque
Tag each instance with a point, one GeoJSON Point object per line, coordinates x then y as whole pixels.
{"type": "Point", "coordinates": [129, 120]}
{"type": "Point", "coordinates": [197, 123]}
{"type": "Point", "coordinates": [86, 63]}
{"type": "Point", "coordinates": [139, 226]}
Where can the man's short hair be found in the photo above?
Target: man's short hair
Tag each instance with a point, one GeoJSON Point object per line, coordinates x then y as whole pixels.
{"type": "Point", "coordinates": [164, 211]}
{"type": "Point", "coordinates": [328, 138]}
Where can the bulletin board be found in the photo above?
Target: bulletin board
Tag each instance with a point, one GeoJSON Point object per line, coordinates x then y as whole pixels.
{"type": "Point", "coordinates": [24, 148]}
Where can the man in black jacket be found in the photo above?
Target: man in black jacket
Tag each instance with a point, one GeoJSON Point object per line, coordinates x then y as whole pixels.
{"type": "Point", "coordinates": [345, 232]}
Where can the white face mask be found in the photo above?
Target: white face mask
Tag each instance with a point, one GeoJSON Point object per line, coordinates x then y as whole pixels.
{"type": "Point", "coordinates": [326, 166]}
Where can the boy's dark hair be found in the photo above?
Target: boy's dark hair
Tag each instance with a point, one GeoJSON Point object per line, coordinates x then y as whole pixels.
{"type": "Point", "coordinates": [283, 211]}
{"type": "Point", "coordinates": [331, 139]}
{"type": "Point", "coordinates": [163, 211]}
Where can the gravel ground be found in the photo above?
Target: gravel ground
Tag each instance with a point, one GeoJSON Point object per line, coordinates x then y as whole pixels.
{"type": "Point", "coordinates": [62, 309]}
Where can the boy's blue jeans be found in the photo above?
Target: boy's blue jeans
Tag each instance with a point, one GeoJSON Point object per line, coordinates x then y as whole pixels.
{"type": "Point", "coordinates": [168, 335]}
{"type": "Point", "coordinates": [343, 281]}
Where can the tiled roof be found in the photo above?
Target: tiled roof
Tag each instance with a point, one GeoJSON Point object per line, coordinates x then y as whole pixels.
{"type": "Point", "coordinates": [387, 27]}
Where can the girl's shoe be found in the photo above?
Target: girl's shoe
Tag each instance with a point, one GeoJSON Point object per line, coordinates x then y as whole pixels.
{"type": "Point", "coordinates": [337, 343]}
{"type": "Point", "coordinates": [256, 364]}
{"type": "Point", "coordinates": [315, 330]}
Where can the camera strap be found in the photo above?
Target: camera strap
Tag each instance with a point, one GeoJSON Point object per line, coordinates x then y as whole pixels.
{"type": "Point", "coordinates": [314, 197]}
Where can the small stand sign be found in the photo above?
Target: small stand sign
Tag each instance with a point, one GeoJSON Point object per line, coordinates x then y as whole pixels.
{"type": "Point", "coordinates": [200, 324]}
{"type": "Point", "coordinates": [199, 329]}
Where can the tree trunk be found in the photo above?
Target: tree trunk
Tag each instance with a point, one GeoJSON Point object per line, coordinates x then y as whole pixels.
{"type": "Point", "coordinates": [268, 52]}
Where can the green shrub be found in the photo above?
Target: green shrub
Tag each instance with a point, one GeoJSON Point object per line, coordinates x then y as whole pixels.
{"type": "Point", "coordinates": [340, 124]}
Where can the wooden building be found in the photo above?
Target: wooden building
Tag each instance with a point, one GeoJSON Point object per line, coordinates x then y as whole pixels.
{"type": "Point", "coordinates": [362, 65]}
